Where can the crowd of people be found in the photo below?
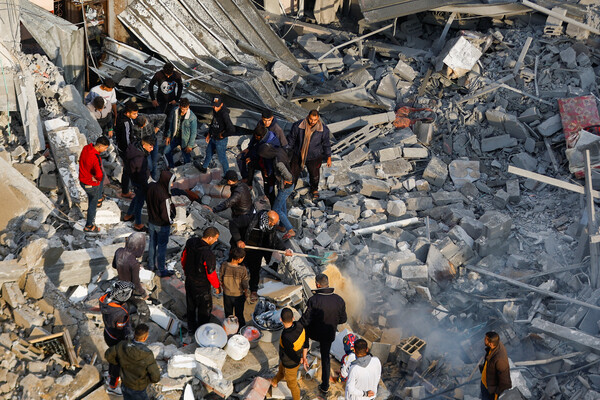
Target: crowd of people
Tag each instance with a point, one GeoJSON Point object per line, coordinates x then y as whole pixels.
{"type": "Point", "coordinates": [280, 159]}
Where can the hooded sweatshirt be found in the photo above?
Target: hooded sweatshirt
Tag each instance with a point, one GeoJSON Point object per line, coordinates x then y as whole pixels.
{"type": "Point", "coordinates": [126, 262]}
{"type": "Point", "coordinates": [161, 210]}
{"type": "Point", "coordinates": [199, 263]}
{"type": "Point", "coordinates": [281, 163]}
{"type": "Point", "coordinates": [221, 125]}
{"type": "Point", "coordinates": [115, 316]}
{"type": "Point", "coordinates": [137, 362]}
{"type": "Point", "coordinates": [364, 375]}
{"type": "Point", "coordinates": [325, 310]}
{"type": "Point", "coordinates": [137, 164]}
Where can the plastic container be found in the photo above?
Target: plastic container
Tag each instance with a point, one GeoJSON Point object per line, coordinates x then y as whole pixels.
{"type": "Point", "coordinates": [211, 335]}
{"type": "Point", "coordinates": [231, 325]}
{"type": "Point", "coordinates": [237, 347]}
{"type": "Point", "coordinates": [252, 333]}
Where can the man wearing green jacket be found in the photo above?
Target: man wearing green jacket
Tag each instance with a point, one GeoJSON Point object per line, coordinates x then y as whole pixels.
{"type": "Point", "coordinates": [181, 132]}
{"type": "Point", "coordinates": [138, 366]}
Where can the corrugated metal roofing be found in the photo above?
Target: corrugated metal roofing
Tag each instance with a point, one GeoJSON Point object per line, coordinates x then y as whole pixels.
{"type": "Point", "coordinates": [381, 10]}
{"type": "Point", "coordinates": [199, 36]}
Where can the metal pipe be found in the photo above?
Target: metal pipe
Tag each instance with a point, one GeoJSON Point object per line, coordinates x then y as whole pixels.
{"type": "Point", "coordinates": [559, 16]}
{"type": "Point", "coordinates": [383, 227]}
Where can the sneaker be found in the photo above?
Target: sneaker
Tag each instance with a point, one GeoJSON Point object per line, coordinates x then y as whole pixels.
{"type": "Point", "coordinates": [324, 391]}
{"type": "Point", "coordinates": [200, 167]}
{"type": "Point", "coordinates": [253, 297]}
{"type": "Point", "coordinates": [166, 273]}
{"type": "Point", "coordinates": [114, 390]}
{"type": "Point", "coordinates": [127, 195]}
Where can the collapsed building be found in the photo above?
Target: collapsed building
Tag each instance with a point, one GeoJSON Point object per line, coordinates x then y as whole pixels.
{"type": "Point", "coordinates": [476, 213]}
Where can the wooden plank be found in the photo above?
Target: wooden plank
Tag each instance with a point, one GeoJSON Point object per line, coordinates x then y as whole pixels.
{"type": "Point", "coordinates": [579, 340]}
{"type": "Point", "coordinates": [550, 181]}
{"type": "Point", "coordinates": [592, 226]}
{"type": "Point", "coordinates": [437, 46]}
{"type": "Point", "coordinates": [519, 63]}
{"type": "Point", "coordinates": [547, 360]}
{"type": "Point", "coordinates": [547, 293]}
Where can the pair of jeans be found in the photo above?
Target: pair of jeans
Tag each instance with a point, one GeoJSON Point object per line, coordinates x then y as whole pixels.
{"type": "Point", "coordinates": [94, 194]}
{"type": "Point", "coordinates": [157, 247]}
{"type": "Point", "coordinates": [136, 205]}
{"type": "Point", "coordinates": [290, 376]}
{"type": "Point", "coordinates": [280, 206]}
{"type": "Point", "coordinates": [153, 163]}
{"type": "Point", "coordinates": [130, 394]}
{"type": "Point", "coordinates": [219, 147]}
{"type": "Point", "coordinates": [325, 348]}
{"type": "Point", "coordinates": [176, 142]}
{"type": "Point", "coordinates": [234, 305]}
{"type": "Point", "coordinates": [199, 306]}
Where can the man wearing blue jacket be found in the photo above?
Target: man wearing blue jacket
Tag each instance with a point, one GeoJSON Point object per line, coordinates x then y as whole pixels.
{"type": "Point", "coordinates": [309, 145]}
{"type": "Point", "coordinates": [181, 132]}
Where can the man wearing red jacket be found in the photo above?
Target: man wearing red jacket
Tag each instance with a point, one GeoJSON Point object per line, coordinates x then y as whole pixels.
{"type": "Point", "coordinates": [199, 263]}
{"type": "Point", "coordinates": [91, 177]}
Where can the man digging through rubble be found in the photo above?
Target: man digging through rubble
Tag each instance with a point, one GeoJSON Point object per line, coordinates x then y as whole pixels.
{"type": "Point", "coordinates": [107, 92]}
{"type": "Point", "coordinates": [103, 115]}
{"type": "Point", "coordinates": [117, 324]}
{"type": "Point", "coordinates": [199, 264]}
{"type": "Point", "coordinates": [364, 374]}
{"type": "Point", "coordinates": [256, 230]}
{"type": "Point", "coordinates": [309, 143]}
{"type": "Point", "coordinates": [161, 212]}
{"type": "Point", "coordinates": [137, 363]}
{"type": "Point", "coordinates": [137, 164]}
{"type": "Point", "coordinates": [325, 310]}
{"type": "Point", "coordinates": [91, 178]}
{"type": "Point", "coordinates": [181, 132]}
{"type": "Point", "coordinates": [150, 125]}
{"type": "Point", "coordinates": [495, 371]}
{"type": "Point", "coordinates": [293, 349]}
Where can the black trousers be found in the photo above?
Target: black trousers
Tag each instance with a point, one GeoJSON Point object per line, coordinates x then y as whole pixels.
{"type": "Point", "coordinates": [234, 305]}
{"type": "Point", "coordinates": [125, 176]}
{"type": "Point", "coordinates": [113, 370]}
{"type": "Point", "coordinates": [325, 348]}
{"type": "Point", "coordinates": [199, 307]}
{"type": "Point", "coordinates": [253, 261]}
{"type": "Point", "coordinates": [485, 395]}
{"type": "Point", "coordinates": [314, 172]}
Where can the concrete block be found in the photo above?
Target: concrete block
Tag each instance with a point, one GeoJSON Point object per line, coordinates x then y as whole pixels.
{"type": "Point", "coordinates": [377, 206]}
{"type": "Point", "coordinates": [485, 247]}
{"type": "Point", "coordinates": [420, 248]}
{"type": "Point", "coordinates": [424, 132]}
{"type": "Point", "coordinates": [41, 252]}
{"type": "Point", "coordinates": [108, 214]}
{"type": "Point", "coordinates": [550, 126]}
{"type": "Point", "coordinates": [29, 171]}
{"type": "Point", "coordinates": [395, 260]}
{"type": "Point", "coordinates": [26, 317]}
{"type": "Point", "coordinates": [513, 190]}
{"type": "Point", "coordinates": [415, 152]}
{"type": "Point", "coordinates": [12, 295]}
{"type": "Point", "coordinates": [463, 171]}
{"type": "Point", "coordinates": [530, 115]}
{"type": "Point", "coordinates": [569, 57]}
{"type": "Point", "coordinates": [174, 287]}
{"type": "Point", "coordinates": [530, 145]}
{"type": "Point", "coordinates": [395, 282]}
{"type": "Point", "coordinates": [347, 208]}
{"type": "Point", "coordinates": [381, 351]}
{"type": "Point", "coordinates": [224, 234]}
{"type": "Point", "coordinates": [436, 172]}
{"type": "Point", "coordinates": [375, 188]}
{"type": "Point", "coordinates": [439, 268]}
{"type": "Point", "coordinates": [514, 128]}
{"type": "Point", "coordinates": [383, 241]}
{"type": "Point", "coordinates": [524, 161]}
{"type": "Point", "coordinates": [181, 365]}
{"type": "Point", "coordinates": [442, 198]}
{"type": "Point", "coordinates": [396, 168]}
{"type": "Point", "coordinates": [405, 71]}
{"type": "Point", "coordinates": [415, 273]}
{"type": "Point", "coordinates": [496, 225]}
{"type": "Point", "coordinates": [395, 208]}
{"type": "Point", "coordinates": [30, 225]}
{"type": "Point", "coordinates": [496, 118]}
{"type": "Point", "coordinates": [419, 203]}
{"type": "Point", "coordinates": [500, 199]}
{"type": "Point", "coordinates": [48, 182]}
{"type": "Point", "coordinates": [497, 142]}
{"type": "Point", "coordinates": [35, 285]}
{"type": "Point", "coordinates": [458, 234]}
{"type": "Point", "coordinates": [390, 153]}
{"type": "Point", "coordinates": [470, 191]}
{"type": "Point", "coordinates": [388, 87]}
{"type": "Point", "coordinates": [212, 357]}
{"type": "Point", "coordinates": [357, 155]}
{"type": "Point", "coordinates": [422, 185]}
{"type": "Point", "coordinates": [323, 239]}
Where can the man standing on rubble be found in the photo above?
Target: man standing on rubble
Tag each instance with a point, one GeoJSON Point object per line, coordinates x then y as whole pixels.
{"type": "Point", "coordinates": [181, 132]}
{"type": "Point", "coordinates": [126, 261]}
{"type": "Point", "coordinates": [125, 135]}
{"type": "Point", "coordinates": [150, 125]}
{"type": "Point", "coordinates": [91, 178]}
{"type": "Point", "coordinates": [137, 363]}
{"type": "Point", "coordinates": [256, 230]}
{"type": "Point", "coordinates": [220, 128]}
{"type": "Point", "coordinates": [161, 212]}
{"type": "Point", "coordinates": [324, 311]}
{"type": "Point", "coordinates": [364, 374]}
{"type": "Point", "coordinates": [309, 144]}
{"type": "Point", "coordinates": [495, 371]}
{"type": "Point", "coordinates": [137, 165]}
{"type": "Point", "coordinates": [170, 87]}
{"type": "Point", "coordinates": [103, 115]}
{"type": "Point", "coordinates": [117, 324]}
{"type": "Point", "coordinates": [107, 91]}
{"type": "Point", "coordinates": [199, 264]}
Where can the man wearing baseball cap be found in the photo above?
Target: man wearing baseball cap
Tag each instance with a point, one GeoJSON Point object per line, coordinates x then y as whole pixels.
{"type": "Point", "coordinates": [220, 128]}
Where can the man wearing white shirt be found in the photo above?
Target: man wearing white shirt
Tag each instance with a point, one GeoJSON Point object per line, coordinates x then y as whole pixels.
{"type": "Point", "coordinates": [107, 91]}
{"type": "Point", "coordinates": [364, 374]}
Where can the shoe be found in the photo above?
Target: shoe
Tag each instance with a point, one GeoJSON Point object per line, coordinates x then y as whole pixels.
{"type": "Point", "coordinates": [290, 234]}
{"type": "Point", "coordinates": [200, 167]}
{"type": "Point", "coordinates": [253, 297]}
{"type": "Point", "coordinates": [166, 273]}
{"type": "Point", "coordinates": [315, 195]}
{"type": "Point", "coordinates": [114, 390]}
{"type": "Point", "coordinates": [127, 195]}
{"type": "Point", "coordinates": [324, 391]}
{"type": "Point", "coordinates": [99, 205]}
{"type": "Point", "coordinates": [128, 218]}
{"type": "Point", "coordinates": [140, 228]}
{"type": "Point", "coordinates": [91, 228]}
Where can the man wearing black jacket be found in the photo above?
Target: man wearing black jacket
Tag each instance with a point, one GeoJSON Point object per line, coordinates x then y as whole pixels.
{"type": "Point", "coordinates": [495, 371]}
{"type": "Point", "coordinates": [240, 200]}
{"type": "Point", "coordinates": [170, 87]}
{"type": "Point", "coordinates": [293, 348]}
{"type": "Point", "coordinates": [161, 212]}
{"type": "Point", "coordinates": [220, 128]}
{"type": "Point", "coordinates": [125, 135]}
{"type": "Point", "coordinates": [325, 310]}
{"type": "Point", "coordinates": [137, 165]}
{"type": "Point", "coordinates": [199, 263]}
{"type": "Point", "coordinates": [256, 230]}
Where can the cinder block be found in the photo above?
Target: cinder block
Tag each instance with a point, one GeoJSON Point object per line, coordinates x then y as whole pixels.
{"type": "Point", "coordinates": [500, 199]}
{"type": "Point", "coordinates": [323, 239]}
{"type": "Point", "coordinates": [442, 198]}
{"type": "Point", "coordinates": [375, 188]}
{"type": "Point", "coordinates": [12, 295]}
{"type": "Point", "coordinates": [473, 227]}
{"type": "Point", "coordinates": [383, 241]}
{"type": "Point", "coordinates": [419, 203]}
{"type": "Point", "coordinates": [393, 261]}
{"type": "Point", "coordinates": [415, 273]}
{"type": "Point", "coordinates": [395, 208]}
{"type": "Point", "coordinates": [436, 172]}
{"type": "Point", "coordinates": [347, 208]}
{"type": "Point", "coordinates": [513, 190]}
{"type": "Point", "coordinates": [496, 225]}
{"type": "Point", "coordinates": [26, 317]}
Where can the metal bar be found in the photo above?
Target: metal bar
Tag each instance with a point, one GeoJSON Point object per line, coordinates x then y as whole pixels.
{"type": "Point", "coordinates": [382, 227]}
{"type": "Point", "coordinates": [548, 293]}
{"type": "Point", "coordinates": [505, 86]}
{"type": "Point", "coordinates": [438, 43]}
{"type": "Point", "coordinates": [592, 227]}
{"type": "Point", "coordinates": [559, 16]}
{"type": "Point", "coordinates": [339, 46]}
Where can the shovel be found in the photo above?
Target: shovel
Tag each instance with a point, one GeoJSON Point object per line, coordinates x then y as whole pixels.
{"type": "Point", "coordinates": [327, 258]}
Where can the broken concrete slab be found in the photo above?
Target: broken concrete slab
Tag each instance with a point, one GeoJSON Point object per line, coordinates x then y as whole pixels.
{"type": "Point", "coordinates": [436, 172]}
{"type": "Point", "coordinates": [577, 339]}
{"type": "Point", "coordinates": [463, 171]}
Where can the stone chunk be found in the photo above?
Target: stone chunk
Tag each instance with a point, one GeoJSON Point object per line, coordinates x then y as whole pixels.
{"type": "Point", "coordinates": [497, 142]}
{"type": "Point", "coordinates": [524, 161]}
{"type": "Point", "coordinates": [436, 172]}
{"type": "Point", "coordinates": [415, 273]}
{"type": "Point", "coordinates": [500, 199]}
{"type": "Point", "coordinates": [26, 317]}
{"type": "Point", "coordinates": [463, 171]}
{"type": "Point", "coordinates": [530, 115]}
{"type": "Point", "coordinates": [30, 225]}
{"type": "Point", "coordinates": [12, 295]}
{"type": "Point", "coordinates": [396, 168]}
{"type": "Point", "coordinates": [323, 239]}
{"type": "Point", "coordinates": [513, 190]}
{"type": "Point", "coordinates": [496, 225]}
{"type": "Point", "coordinates": [390, 153]}
{"type": "Point", "coordinates": [29, 171]}
{"type": "Point", "coordinates": [383, 241]}
{"type": "Point", "coordinates": [35, 285]}
{"type": "Point", "coordinates": [473, 227]}
{"type": "Point", "coordinates": [396, 208]}
{"type": "Point", "coordinates": [442, 198]}
{"type": "Point", "coordinates": [212, 357]}
{"type": "Point", "coordinates": [415, 152]}
{"type": "Point", "coordinates": [419, 203]}
{"type": "Point", "coordinates": [394, 261]}
{"type": "Point", "coordinates": [458, 234]}
{"type": "Point", "coordinates": [182, 365]}
{"type": "Point", "coordinates": [550, 126]}
{"type": "Point", "coordinates": [439, 268]}
{"type": "Point", "coordinates": [375, 188]}
{"type": "Point", "coordinates": [377, 206]}
{"type": "Point", "coordinates": [347, 208]}
{"type": "Point", "coordinates": [405, 71]}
